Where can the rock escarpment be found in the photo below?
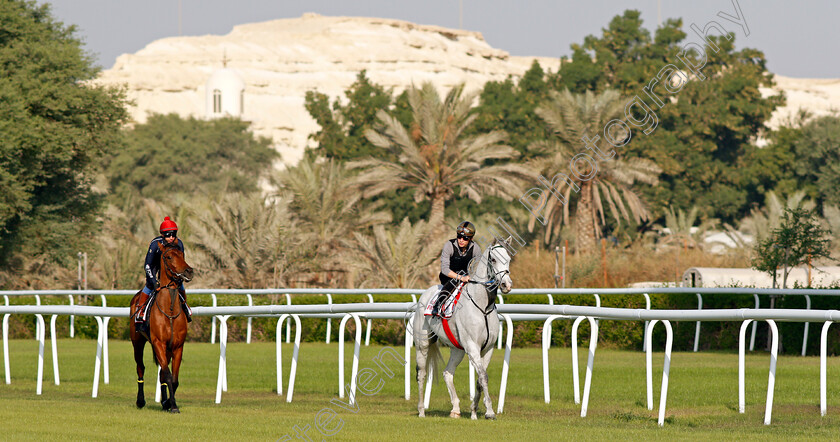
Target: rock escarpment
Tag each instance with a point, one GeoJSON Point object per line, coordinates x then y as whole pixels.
{"type": "Point", "coordinates": [280, 60]}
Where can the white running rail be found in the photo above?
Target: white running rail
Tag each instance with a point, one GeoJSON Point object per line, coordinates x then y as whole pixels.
{"type": "Point", "coordinates": [510, 312]}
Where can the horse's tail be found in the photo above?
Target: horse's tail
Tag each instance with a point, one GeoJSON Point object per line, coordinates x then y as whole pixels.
{"type": "Point", "coordinates": [434, 362]}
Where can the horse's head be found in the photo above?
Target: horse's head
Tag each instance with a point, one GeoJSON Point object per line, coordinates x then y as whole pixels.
{"type": "Point", "coordinates": [498, 262]}
{"type": "Point", "coordinates": [173, 263]}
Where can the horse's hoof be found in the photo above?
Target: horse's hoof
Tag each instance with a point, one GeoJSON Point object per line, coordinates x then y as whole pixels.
{"type": "Point", "coordinates": [454, 415]}
{"type": "Point", "coordinates": [474, 417]}
{"type": "Point", "coordinates": [175, 411]}
{"type": "Point", "coordinates": [141, 404]}
{"type": "Point", "coordinates": [422, 414]}
{"type": "Point", "coordinates": [490, 417]}
{"type": "Point", "coordinates": [166, 405]}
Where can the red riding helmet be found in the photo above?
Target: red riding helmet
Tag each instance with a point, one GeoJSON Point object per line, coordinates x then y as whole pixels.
{"type": "Point", "coordinates": [168, 225]}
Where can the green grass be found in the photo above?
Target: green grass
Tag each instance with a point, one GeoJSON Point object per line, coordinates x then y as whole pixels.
{"type": "Point", "coordinates": [702, 400]}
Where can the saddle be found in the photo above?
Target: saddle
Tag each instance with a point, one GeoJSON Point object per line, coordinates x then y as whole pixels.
{"type": "Point", "coordinates": [448, 308]}
{"type": "Point", "coordinates": [150, 299]}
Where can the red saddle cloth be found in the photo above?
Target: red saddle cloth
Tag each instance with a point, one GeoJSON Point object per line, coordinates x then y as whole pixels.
{"type": "Point", "coordinates": [445, 319]}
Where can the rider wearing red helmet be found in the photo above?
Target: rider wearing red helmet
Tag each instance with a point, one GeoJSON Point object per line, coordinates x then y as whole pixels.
{"type": "Point", "coordinates": [168, 234]}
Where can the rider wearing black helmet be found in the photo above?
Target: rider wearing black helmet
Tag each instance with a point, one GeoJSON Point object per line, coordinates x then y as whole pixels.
{"type": "Point", "coordinates": [455, 259]}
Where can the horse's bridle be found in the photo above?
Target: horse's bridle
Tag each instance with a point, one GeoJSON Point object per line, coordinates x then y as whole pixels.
{"type": "Point", "coordinates": [492, 284]}
{"type": "Point", "coordinates": [171, 273]}
{"type": "Point", "coordinates": [174, 279]}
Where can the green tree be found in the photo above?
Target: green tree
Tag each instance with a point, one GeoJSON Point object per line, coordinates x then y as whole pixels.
{"type": "Point", "coordinates": [761, 221]}
{"type": "Point", "coordinates": [508, 106]}
{"type": "Point", "coordinates": [610, 188]}
{"type": "Point", "coordinates": [434, 157]}
{"type": "Point", "coordinates": [169, 154]}
{"type": "Point", "coordinates": [625, 57]}
{"type": "Point", "coordinates": [818, 157]}
{"type": "Point", "coordinates": [343, 126]}
{"type": "Point", "coordinates": [772, 168]}
{"type": "Point", "coordinates": [798, 239]}
{"type": "Point", "coordinates": [55, 125]}
{"type": "Point", "coordinates": [703, 131]}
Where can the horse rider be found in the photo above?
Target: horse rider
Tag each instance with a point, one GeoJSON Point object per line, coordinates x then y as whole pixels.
{"type": "Point", "coordinates": [455, 260]}
{"type": "Point", "coordinates": [169, 234]}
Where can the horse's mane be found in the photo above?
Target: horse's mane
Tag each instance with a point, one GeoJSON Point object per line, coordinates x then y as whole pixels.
{"type": "Point", "coordinates": [496, 242]}
{"type": "Point", "coordinates": [166, 245]}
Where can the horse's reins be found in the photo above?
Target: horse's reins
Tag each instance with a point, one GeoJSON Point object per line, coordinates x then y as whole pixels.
{"type": "Point", "coordinates": [486, 310]}
{"type": "Point", "coordinates": [173, 276]}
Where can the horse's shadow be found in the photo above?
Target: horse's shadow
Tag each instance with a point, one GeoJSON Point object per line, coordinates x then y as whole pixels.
{"type": "Point", "coordinates": [437, 413]}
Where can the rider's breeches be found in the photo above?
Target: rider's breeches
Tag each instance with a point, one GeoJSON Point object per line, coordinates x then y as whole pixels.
{"type": "Point", "coordinates": [448, 283]}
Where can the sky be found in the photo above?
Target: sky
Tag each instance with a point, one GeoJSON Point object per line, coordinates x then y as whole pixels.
{"type": "Point", "coordinates": [799, 38]}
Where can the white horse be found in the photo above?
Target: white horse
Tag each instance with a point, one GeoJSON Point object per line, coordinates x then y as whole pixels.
{"type": "Point", "coordinates": [472, 329]}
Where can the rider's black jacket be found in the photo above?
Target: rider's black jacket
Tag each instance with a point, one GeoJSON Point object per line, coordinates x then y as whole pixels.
{"type": "Point", "coordinates": [453, 258]}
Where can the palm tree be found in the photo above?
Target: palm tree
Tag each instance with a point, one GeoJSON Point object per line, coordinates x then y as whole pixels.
{"type": "Point", "coordinates": [762, 221]}
{"type": "Point", "coordinates": [570, 117]}
{"type": "Point", "coordinates": [327, 210]}
{"type": "Point", "coordinates": [679, 228]}
{"type": "Point", "coordinates": [435, 157]}
{"type": "Point", "coordinates": [247, 238]}
{"type": "Point", "coordinates": [759, 224]}
{"type": "Point", "coordinates": [394, 257]}
{"type": "Point", "coordinates": [128, 229]}
{"type": "Point", "coordinates": [123, 247]}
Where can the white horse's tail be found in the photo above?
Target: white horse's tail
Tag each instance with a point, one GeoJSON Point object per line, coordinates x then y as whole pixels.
{"type": "Point", "coordinates": [434, 362]}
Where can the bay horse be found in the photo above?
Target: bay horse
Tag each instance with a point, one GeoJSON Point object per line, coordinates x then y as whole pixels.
{"type": "Point", "coordinates": [167, 326]}
{"type": "Point", "coordinates": [472, 329]}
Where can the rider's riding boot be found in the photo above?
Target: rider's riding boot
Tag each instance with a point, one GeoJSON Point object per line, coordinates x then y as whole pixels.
{"type": "Point", "coordinates": [184, 307]}
{"type": "Point", "coordinates": [140, 323]}
{"type": "Point", "coordinates": [439, 303]}
{"type": "Point", "coordinates": [186, 312]}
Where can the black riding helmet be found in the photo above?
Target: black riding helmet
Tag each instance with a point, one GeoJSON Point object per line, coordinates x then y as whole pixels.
{"type": "Point", "coordinates": [466, 230]}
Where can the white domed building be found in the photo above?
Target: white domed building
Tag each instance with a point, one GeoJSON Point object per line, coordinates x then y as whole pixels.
{"type": "Point", "coordinates": [225, 94]}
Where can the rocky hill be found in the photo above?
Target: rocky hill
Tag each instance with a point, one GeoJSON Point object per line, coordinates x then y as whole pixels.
{"type": "Point", "coordinates": [280, 60]}
{"type": "Point", "coordinates": [819, 96]}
